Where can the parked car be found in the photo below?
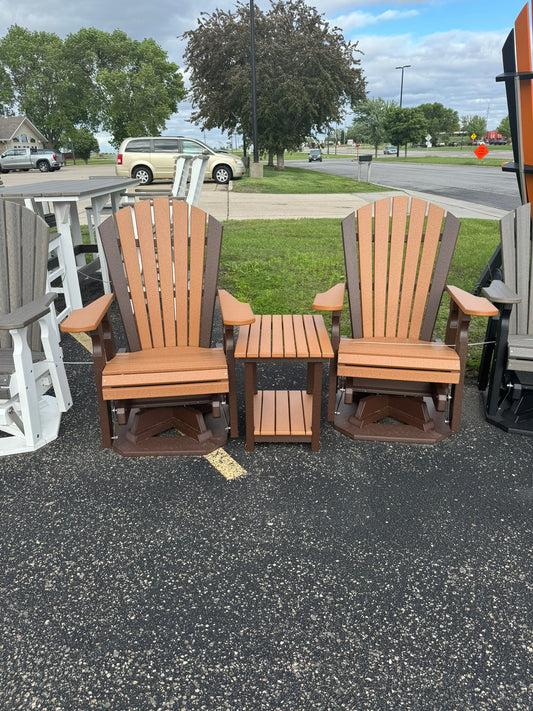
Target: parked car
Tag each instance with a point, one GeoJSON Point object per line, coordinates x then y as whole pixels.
{"type": "Point", "coordinates": [390, 150]}
{"type": "Point", "coordinates": [26, 159]}
{"type": "Point", "coordinates": [315, 154]}
{"type": "Point", "coordinates": [149, 158]}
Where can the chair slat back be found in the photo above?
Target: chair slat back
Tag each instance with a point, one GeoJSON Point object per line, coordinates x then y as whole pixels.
{"type": "Point", "coordinates": [397, 259]}
{"type": "Point", "coordinates": [24, 238]}
{"type": "Point", "coordinates": [163, 260]}
{"type": "Point", "coordinates": [517, 259]}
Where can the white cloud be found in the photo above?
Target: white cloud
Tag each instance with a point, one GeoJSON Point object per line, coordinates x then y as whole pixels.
{"type": "Point", "coordinates": [457, 69]}
{"type": "Point", "coordinates": [357, 20]}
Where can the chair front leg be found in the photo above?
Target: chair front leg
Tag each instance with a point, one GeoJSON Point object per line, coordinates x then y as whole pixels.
{"type": "Point", "coordinates": [229, 349]}
{"type": "Point", "coordinates": [103, 343]}
{"type": "Point", "coordinates": [457, 336]}
{"type": "Point", "coordinates": [332, 377]}
{"type": "Point", "coordinates": [27, 387]}
{"type": "Point", "coordinates": [499, 360]}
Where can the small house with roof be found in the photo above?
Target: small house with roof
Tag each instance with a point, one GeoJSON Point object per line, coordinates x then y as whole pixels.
{"type": "Point", "coordinates": [19, 132]}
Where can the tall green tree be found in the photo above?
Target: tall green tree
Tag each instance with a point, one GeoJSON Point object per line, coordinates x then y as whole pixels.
{"type": "Point", "coordinates": [404, 125]}
{"type": "Point", "coordinates": [369, 122]}
{"type": "Point", "coordinates": [504, 129]}
{"type": "Point", "coordinates": [135, 89]}
{"type": "Point", "coordinates": [474, 125]}
{"type": "Point", "coordinates": [91, 79]}
{"type": "Point", "coordinates": [439, 119]}
{"type": "Point", "coordinates": [41, 82]}
{"type": "Point", "coordinates": [306, 73]}
{"type": "Point", "coordinates": [82, 142]}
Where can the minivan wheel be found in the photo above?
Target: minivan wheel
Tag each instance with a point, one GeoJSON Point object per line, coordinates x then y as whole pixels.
{"type": "Point", "coordinates": [222, 174]}
{"type": "Point", "coordinates": [143, 175]}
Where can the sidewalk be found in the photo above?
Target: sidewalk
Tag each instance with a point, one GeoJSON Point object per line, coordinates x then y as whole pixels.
{"type": "Point", "coordinates": [225, 204]}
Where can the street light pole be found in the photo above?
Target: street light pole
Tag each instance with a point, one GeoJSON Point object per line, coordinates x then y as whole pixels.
{"type": "Point", "coordinates": [254, 93]}
{"type": "Point", "coordinates": [404, 66]}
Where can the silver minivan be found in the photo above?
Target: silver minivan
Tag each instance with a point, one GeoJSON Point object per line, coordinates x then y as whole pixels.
{"type": "Point", "coordinates": [149, 158]}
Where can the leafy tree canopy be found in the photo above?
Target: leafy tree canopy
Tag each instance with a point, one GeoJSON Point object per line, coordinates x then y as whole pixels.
{"type": "Point", "coordinates": [91, 79]}
{"type": "Point", "coordinates": [369, 121]}
{"type": "Point", "coordinates": [82, 142]}
{"type": "Point", "coordinates": [439, 120]}
{"type": "Point", "coordinates": [504, 129]}
{"type": "Point", "coordinates": [404, 125]}
{"type": "Point", "coordinates": [474, 124]}
{"type": "Point", "coordinates": [305, 72]}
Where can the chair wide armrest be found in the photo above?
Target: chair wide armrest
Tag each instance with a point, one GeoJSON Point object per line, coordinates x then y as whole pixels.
{"type": "Point", "coordinates": [27, 314]}
{"type": "Point", "coordinates": [499, 293]}
{"type": "Point", "coordinates": [470, 304]}
{"type": "Point", "coordinates": [234, 312]}
{"type": "Point", "coordinates": [330, 300]}
{"type": "Point", "coordinates": [89, 317]}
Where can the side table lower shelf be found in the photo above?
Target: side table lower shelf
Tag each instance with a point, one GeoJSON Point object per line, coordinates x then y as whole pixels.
{"type": "Point", "coordinates": [283, 416]}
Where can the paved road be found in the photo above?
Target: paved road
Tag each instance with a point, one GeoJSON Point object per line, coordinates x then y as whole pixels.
{"type": "Point", "coordinates": [480, 185]}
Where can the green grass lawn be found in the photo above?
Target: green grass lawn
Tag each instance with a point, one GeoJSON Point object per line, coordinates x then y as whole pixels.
{"type": "Point", "coordinates": [446, 160]}
{"type": "Point", "coordinates": [279, 265]}
{"type": "Point", "coordinates": [299, 180]}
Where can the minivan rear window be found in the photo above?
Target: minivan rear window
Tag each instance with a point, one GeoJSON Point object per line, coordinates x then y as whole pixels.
{"type": "Point", "coordinates": [138, 145]}
{"type": "Point", "coordinates": [166, 144]}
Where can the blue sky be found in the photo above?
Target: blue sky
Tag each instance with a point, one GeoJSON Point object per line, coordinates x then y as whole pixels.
{"type": "Point", "coordinates": [453, 46]}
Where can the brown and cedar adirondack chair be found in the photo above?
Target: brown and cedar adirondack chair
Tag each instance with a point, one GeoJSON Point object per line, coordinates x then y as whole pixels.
{"type": "Point", "coordinates": [31, 360]}
{"type": "Point", "coordinates": [163, 261]}
{"type": "Point", "coordinates": [397, 381]}
{"type": "Point", "coordinates": [507, 360]}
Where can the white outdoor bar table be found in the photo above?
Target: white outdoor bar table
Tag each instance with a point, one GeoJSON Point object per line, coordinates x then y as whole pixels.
{"type": "Point", "coordinates": [64, 197]}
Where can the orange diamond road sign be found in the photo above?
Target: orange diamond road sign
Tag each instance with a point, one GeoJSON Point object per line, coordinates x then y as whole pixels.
{"type": "Point", "coordinates": [481, 151]}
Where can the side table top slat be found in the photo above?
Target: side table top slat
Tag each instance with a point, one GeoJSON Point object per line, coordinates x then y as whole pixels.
{"type": "Point", "coordinates": [252, 350]}
{"type": "Point", "coordinates": [241, 346]}
{"type": "Point", "coordinates": [302, 351]}
{"type": "Point", "coordinates": [288, 337]}
{"type": "Point", "coordinates": [323, 336]}
{"type": "Point", "coordinates": [277, 337]}
{"type": "Point", "coordinates": [312, 339]}
{"type": "Point", "coordinates": [265, 349]}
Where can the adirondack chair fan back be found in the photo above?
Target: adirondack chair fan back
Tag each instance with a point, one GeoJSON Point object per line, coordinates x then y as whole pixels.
{"type": "Point", "coordinates": [31, 360]}
{"type": "Point", "coordinates": [507, 360]}
{"type": "Point", "coordinates": [163, 261]}
{"type": "Point", "coordinates": [398, 383]}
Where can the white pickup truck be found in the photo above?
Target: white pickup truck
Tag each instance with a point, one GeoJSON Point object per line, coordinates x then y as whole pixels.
{"type": "Point", "coordinates": [25, 159]}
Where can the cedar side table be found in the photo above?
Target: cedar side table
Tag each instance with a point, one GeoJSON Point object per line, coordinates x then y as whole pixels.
{"type": "Point", "coordinates": [283, 415]}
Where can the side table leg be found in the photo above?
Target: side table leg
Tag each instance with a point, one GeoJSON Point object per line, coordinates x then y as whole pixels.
{"type": "Point", "coordinates": [250, 388]}
{"type": "Point", "coordinates": [317, 400]}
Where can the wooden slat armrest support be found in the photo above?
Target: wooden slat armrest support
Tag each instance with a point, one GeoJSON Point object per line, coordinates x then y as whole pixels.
{"type": "Point", "coordinates": [234, 312]}
{"type": "Point", "coordinates": [330, 300]}
{"type": "Point", "coordinates": [29, 313]}
{"type": "Point", "coordinates": [89, 318]}
{"type": "Point", "coordinates": [470, 304]}
{"type": "Point", "coordinates": [499, 293]}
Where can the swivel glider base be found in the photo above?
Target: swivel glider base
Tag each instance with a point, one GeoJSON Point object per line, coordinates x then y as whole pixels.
{"type": "Point", "coordinates": [148, 433]}
{"type": "Point", "coordinates": [514, 415]}
{"type": "Point", "coordinates": [392, 418]}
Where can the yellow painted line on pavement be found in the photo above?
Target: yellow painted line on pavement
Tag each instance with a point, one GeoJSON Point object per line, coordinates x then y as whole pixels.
{"type": "Point", "coordinates": [84, 339]}
{"type": "Point", "coordinates": [219, 459]}
{"type": "Point", "coordinates": [225, 464]}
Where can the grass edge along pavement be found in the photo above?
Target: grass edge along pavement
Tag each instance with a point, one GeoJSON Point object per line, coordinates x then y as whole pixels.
{"type": "Point", "coordinates": [293, 181]}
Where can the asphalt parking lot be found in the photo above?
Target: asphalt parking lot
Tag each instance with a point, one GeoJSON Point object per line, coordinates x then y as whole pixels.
{"type": "Point", "coordinates": [365, 576]}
